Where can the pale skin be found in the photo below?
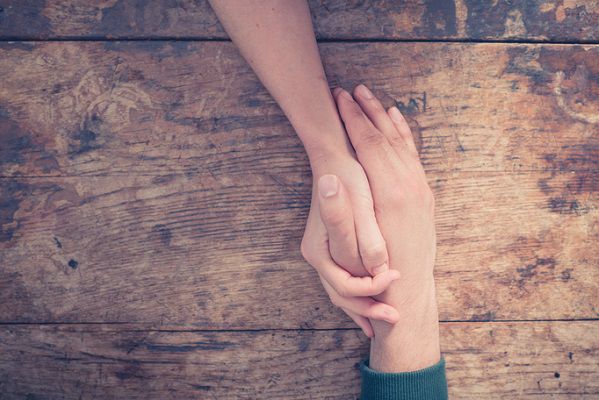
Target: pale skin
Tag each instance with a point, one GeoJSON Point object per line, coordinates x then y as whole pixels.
{"type": "Point", "coordinates": [370, 232]}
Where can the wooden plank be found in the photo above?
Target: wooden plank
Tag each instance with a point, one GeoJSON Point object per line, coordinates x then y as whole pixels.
{"type": "Point", "coordinates": [491, 361]}
{"type": "Point", "coordinates": [212, 249]}
{"type": "Point", "coordinates": [552, 20]}
{"type": "Point", "coordinates": [180, 107]}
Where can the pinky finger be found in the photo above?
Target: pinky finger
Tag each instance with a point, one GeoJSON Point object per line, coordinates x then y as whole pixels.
{"type": "Point", "coordinates": [362, 322]}
{"type": "Point", "coordinates": [402, 128]}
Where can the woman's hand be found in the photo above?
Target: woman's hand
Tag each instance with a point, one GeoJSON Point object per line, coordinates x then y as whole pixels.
{"type": "Point", "coordinates": [277, 40]}
{"type": "Point", "coordinates": [343, 242]}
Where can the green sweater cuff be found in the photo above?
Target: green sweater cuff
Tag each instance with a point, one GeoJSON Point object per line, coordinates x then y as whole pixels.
{"type": "Point", "coordinates": [428, 383]}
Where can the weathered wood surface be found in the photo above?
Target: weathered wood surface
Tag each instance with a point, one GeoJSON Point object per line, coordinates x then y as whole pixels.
{"type": "Point", "coordinates": [491, 361]}
{"type": "Point", "coordinates": [561, 20]}
{"type": "Point", "coordinates": [156, 188]}
{"type": "Point", "coordinates": [190, 162]}
{"type": "Point", "coordinates": [180, 107]}
{"type": "Point", "coordinates": [213, 248]}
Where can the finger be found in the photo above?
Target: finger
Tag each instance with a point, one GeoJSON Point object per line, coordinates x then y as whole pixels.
{"type": "Point", "coordinates": [402, 127]}
{"type": "Point", "coordinates": [372, 148]}
{"type": "Point", "coordinates": [363, 306]}
{"type": "Point", "coordinates": [347, 285]}
{"type": "Point", "coordinates": [336, 213]}
{"type": "Point", "coordinates": [375, 111]}
{"type": "Point", "coordinates": [362, 322]}
{"type": "Point", "coordinates": [371, 244]}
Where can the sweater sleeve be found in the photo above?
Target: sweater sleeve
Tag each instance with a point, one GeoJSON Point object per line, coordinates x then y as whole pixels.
{"type": "Point", "coordinates": [428, 383]}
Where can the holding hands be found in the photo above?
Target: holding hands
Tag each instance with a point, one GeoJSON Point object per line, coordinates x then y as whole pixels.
{"type": "Point", "coordinates": [370, 233]}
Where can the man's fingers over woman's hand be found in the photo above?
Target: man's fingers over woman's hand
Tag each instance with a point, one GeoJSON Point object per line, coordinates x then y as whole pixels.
{"type": "Point", "coordinates": [364, 306]}
{"type": "Point", "coordinates": [342, 281]}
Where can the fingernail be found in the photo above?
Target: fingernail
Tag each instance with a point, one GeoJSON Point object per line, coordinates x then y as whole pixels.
{"type": "Point", "coordinates": [328, 185]}
{"type": "Point", "coordinates": [395, 114]}
{"type": "Point", "coordinates": [380, 269]}
{"type": "Point", "coordinates": [363, 91]}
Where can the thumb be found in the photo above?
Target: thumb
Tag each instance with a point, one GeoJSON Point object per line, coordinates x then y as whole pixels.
{"type": "Point", "coordinates": [337, 216]}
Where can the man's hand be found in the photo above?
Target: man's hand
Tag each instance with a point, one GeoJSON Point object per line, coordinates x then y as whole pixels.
{"type": "Point", "coordinates": [404, 209]}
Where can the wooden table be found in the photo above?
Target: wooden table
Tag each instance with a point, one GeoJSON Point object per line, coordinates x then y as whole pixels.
{"type": "Point", "coordinates": [153, 198]}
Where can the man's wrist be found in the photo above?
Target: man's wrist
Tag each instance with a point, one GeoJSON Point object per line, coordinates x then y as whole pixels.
{"type": "Point", "coordinates": [413, 342]}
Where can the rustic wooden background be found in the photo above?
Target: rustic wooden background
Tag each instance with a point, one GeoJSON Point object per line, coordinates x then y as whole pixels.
{"type": "Point", "coordinates": [153, 198]}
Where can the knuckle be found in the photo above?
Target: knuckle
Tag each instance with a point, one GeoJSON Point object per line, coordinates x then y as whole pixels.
{"type": "Point", "coordinates": [370, 137]}
{"type": "Point", "coordinates": [375, 253]}
{"type": "Point", "coordinates": [353, 110]}
{"type": "Point", "coordinates": [398, 142]}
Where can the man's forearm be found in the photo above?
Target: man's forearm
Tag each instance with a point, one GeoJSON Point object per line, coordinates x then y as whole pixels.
{"type": "Point", "coordinates": [277, 40]}
{"type": "Point", "coordinates": [412, 343]}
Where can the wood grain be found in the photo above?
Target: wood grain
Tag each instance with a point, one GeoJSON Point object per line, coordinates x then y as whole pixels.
{"type": "Point", "coordinates": [211, 248]}
{"type": "Point", "coordinates": [180, 107]}
{"type": "Point", "coordinates": [153, 197]}
{"type": "Point", "coordinates": [552, 20]}
{"type": "Point", "coordinates": [491, 361]}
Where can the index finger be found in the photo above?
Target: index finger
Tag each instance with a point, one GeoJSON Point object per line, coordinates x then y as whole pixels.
{"type": "Point", "coordinates": [372, 147]}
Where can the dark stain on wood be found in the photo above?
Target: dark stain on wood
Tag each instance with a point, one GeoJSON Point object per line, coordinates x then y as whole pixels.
{"type": "Point", "coordinates": [14, 141]}
{"type": "Point", "coordinates": [11, 195]}
{"type": "Point", "coordinates": [186, 348]}
{"type": "Point", "coordinates": [413, 106]}
{"type": "Point", "coordinates": [567, 274]}
{"type": "Point", "coordinates": [486, 317]}
{"type": "Point", "coordinates": [572, 81]}
{"type": "Point", "coordinates": [439, 18]}
{"type": "Point", "coordinates": [25, 18]}
{"type": "Point", "coordinates": [130, 370]}
{"type": "Point", "coordinates": [19, 146]}
{"type": "Point", "coordinates": [575, 195]}
{"type": "Point", "coordinates": [333, 19]}
{"type": "Point", "coordinates": [532, 19]}
{"type": "Point", "coordinates": [531, 270]}
{"type": "Point", "coordinates": [164, 233]}
{"type": "Point", "coordinates": [304, 341]}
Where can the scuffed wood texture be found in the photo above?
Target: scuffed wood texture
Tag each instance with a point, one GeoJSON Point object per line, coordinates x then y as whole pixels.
{"type": "Point", "coordinates": [153, 197]}
{"type": "Point", "coordinates": [551, 20]}
{"type": "Point", "coordinates": [496, 360]}
{"type": "Point", "coordinates": [151, 172]}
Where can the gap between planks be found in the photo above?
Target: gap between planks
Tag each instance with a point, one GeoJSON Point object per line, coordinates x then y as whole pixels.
{"type": "Point", "coordinates": [190, 328]}
{"type": "Point", "coordinates": [320, 40]}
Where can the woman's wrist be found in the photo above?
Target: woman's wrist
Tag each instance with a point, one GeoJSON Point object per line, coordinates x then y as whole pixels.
{"type": "Point", "coordinates": [326, 148]}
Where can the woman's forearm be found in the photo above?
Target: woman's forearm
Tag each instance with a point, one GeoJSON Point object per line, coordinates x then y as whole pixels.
{"type": "Point", "coordinates": [277, 39]}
